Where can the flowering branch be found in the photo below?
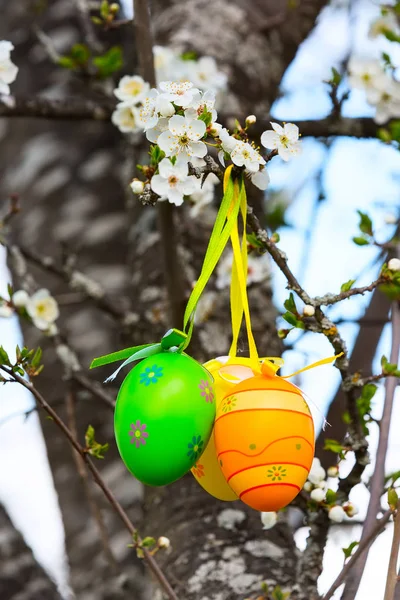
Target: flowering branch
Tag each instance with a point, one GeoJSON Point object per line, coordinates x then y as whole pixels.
{"type": "Point", "coordinates": [154, 567]}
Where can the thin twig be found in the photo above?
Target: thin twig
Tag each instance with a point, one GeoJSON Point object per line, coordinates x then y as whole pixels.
{"type": "Point", "coordinates": [83, 474]}
{"type": "Point", "coordinates": [166, 224]}
{"type": "Point", "coordinates": [362, 547]}
{"type": "Point", "coordinates": [87, 26]}
{"type": "Point", "coordinates": [154, 567]}
{"type": "Point", "coordinates": [378, 476]}
{"type": "Point", "coordinates": [392, 580]}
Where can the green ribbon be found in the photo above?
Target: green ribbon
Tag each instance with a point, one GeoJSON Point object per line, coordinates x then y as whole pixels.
{"type": "Point", "coordinates": [172, 341]}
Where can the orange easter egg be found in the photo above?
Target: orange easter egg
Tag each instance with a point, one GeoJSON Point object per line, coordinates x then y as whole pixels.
{"type": "Point", "coordinates": [264, 438]}
{"type": "Point", "coordinates": [207, 471]}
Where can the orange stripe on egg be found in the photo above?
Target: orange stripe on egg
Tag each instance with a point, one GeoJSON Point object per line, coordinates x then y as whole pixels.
{"type": "Point", "coordinates": [288, 437]}
{"type": "Point", "coordinates": [287, 410]}
{"type": "Point", "coordinates": [264, 485]}
{"type": "Point", "coordinates": [293, 464]}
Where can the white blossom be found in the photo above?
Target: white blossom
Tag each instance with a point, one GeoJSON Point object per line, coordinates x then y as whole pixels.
{"type": "Point", "coordinates": [258, 269]}
{"type": "Point", "coordinates": [154, 133]}
{"type": "Point", "coordinates": [386, 23]}
{"type": "Point", "coordinates": [165, 62]}
{"type": "Point", "coordinates": [173, 181]}
{"type": "Point", "coordinates": [43, 309]}
{"type": "Point", "coordinates": [126, 118]}
{"type": "Point", "coordinates": [391, 219]}
{"type": "Point", "coordinates": [137, 186]}
{"type": "Point", "coordinates": [269, 519]}
{"type": "Point", "coordinates": [260, 178]}
{"type": "Point", "coordinates": [336, 514]}
{"type": "Point", "coordinates": [20, 298]}
{"type": "Point", "coordinates": [154, 107]}
{"type": "Point", "coordinates": [318, 495]}
{"type": "Point", "coordinates": [385, 96]}
{"type": "Point", "coordinates": [206, 75]}
{"type": "Point", "coordinates": [317, 472]}
{"type": "Point", "coordinates": [183, 138]}
{"type": "Point", "coordinates": [5, 310]}
{"type": "Point", "coordinates": [333, 471]}
{"type": "Point", "coordinates": [132, 89]}
{"type": "Point", "coordinates": [163, 542]}
{"type": "Point", "coordinates": [308, 310]}
{"type": "Point", "coordinates": [200, 102]}
{"type": "Point", "coordinates": [181, 93]}
{"type": "Point", "coordinates": [365, 73]}
{"type": "Point", "coordinates": [350, 509]}
{"type": "Point", "coordinates": [244, 155]}
{"type": "Point", "coordinates": [8, 71]}
{"type": "Point", "coordinates": [394, 264]}
{"type": "Point", "coordinates": [284, 139]}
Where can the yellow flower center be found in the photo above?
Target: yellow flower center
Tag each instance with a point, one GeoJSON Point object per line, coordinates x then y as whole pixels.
{"type": "Point", "coordinates": [284, 141]}
{"type": "Point", "coordinates": [172, 180]}
{"type": "Point", "coordinates": [183, 140]}
{"type": "Point", "coordinates": [41, 308]}
{"type": "Point", "coordinates": [137, 433]}
{"type": "Point", "coordinates": [133, 87]}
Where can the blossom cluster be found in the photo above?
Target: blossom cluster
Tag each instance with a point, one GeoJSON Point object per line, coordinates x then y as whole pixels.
{"type": "Point", "coordinates": [41, 308]}
{"type": "Point", "coordinates": [317, 486]}
{"type": "Point", "coordinates": [181, 120]}
{"type": "Point", "coordinates": [8, 71]}
{"type": "Point", "coordinates": [382, 90]}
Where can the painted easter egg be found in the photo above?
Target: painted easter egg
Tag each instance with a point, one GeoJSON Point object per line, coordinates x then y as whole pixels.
{"type": "Point", "coordinates": [164, 417]}
{"type": "Point", "coordinates": [207, 471]}
{"type": "Point", "coordinates": [264, 438]}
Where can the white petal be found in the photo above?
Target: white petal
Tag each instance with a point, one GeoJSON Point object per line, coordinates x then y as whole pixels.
{"type": "Point", "coordinates": [261, 179]}
{"type": "Point", "coordinates": [175, 197]}
{"type": "Point", "coordinates": [198, 149]}
{"type": "Point", "coordinates": [165, 168]}
{"type": "Point", "coordinates": [195, 129]}
{"type": "Point", "coordinates": [292, 132]}
{"type": "Point", "coordinates": [4, 88]}
{"type": "Point", "coordinates": [159, 185]}
{"type": "Point", "coordinates": [284, 153]}
{"type": "Point", "coordinates": [278, 128]}
{"type": "Point", "coordinates": [189, 185]}
{"type": "Point", "coordinates": [177, 125]}
{"type": "Point", "coordinates": [269, 139]}
{"type": "Point", "coordinates": [167, 143]}
{"type": "Point", "coordinates": [153, 134]}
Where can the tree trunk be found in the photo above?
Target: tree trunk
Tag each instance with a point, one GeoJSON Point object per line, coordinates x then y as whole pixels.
{"type": "Point", "coordinates": [72, 180]}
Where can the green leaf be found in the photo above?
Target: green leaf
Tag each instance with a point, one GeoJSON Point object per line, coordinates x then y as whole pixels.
{"type": "Point", "coordinates": [330, 497]}
{"type": "Point", "coordinates": [387, 367]}
{"type": "Point", "coordinates": [10, 290]}
{"type": "Point", "coordinates": [94, 448]}
{"type": "Point", "coordinates": [346, 417]}
{"type": "Point", "coordinates": [190, 55]}
{"type": "Point", "coordinates": [80, 54]}
{"type": "Point", "coordinates": [109, 62]}
{"type": "Point", "coordinates": [393, 498]}
{"type": "Point", "coordinates": [4, 360]}
{"type": "Point", "coordinates": [66, 62]}
{"type": "Point", "coordinates": [391, 35]}
{"type": "Point", "coordinates": [290, 304]}
{"type": "Point", "coordinates": [277, 594]}
{"type": "Point", "coordinates": [104, 9]}
{"type": "Point", "coordinates": [292, 320]}
{"type": "Point", "coordinates": [345, 287]}
{"type": "Point", "coordinates": [156, 155]}
{"type": "Point", "coordinates": [349, 550]}
{"type": "Point", "coordinates": [360, 241]}
{"type": "Point", "coordinates": [37, 357]}
{"type": "Point", "coordinates": [148, 541]}
{"type": "Point", "coordinates": [393, 477]}
{"type": "Point", "coordinates": [254, 242]}
{"type": "Point", "coordinates": [334, 446]}
{"type": "Point", "coordinates": [336, 77]}
{"type": "Point", "coordinates": [96, 20]}
{"type": "Point", "coordinates": [365, 224]}
{"type": "Point", "coordinates": [205, 116]}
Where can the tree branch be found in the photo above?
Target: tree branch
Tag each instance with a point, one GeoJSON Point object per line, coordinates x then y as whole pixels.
{"type": "Point", "coordinates": [392, 580]}
{"type": "Point", "coordinates": [378, 477]}
{"type": "Point", "coordinates": [363, 546]}
{"type": "Point", "coordinates": [154, 567]}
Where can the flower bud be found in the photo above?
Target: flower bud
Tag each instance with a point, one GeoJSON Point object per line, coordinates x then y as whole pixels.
{"type": "Point", "coordinates": [318, 495]}
{"type": "Point", "coordinates": [308, 310]}
{"type": "Point", "coordinates": [307, 487]}
{"type": "Point", "coordinates": [20, 298]}
{"type": "Point", "coordinates": [350, 509]}
{"type": "Point", "coordinates": [137, 186]}
{"type": "Point", "coordinates": [251, 119]}
{"type": "Point", "coordinates": [336, 514]}
{"type": "Point", "coordinates": [163, 542]}
{"type": "Point", "coordinates": [394, 264]}
{"type": "Point", "coordinates": [333, 471]}
{"type": "Point", "coordinates": [269, 519]}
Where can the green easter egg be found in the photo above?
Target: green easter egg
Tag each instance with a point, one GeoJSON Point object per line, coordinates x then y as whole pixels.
{"type": "Point", "coordinates": [164, 417]}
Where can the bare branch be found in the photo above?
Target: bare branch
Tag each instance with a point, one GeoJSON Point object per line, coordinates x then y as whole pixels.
{"type": "Point", "coordinates": [70, 109]}
{"type": "Point", "coordinates": [392, 580]}
{"type": "Point", "coordinates": [154, 567]}
{"type": "Point", "coordinates": [364, 545]}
